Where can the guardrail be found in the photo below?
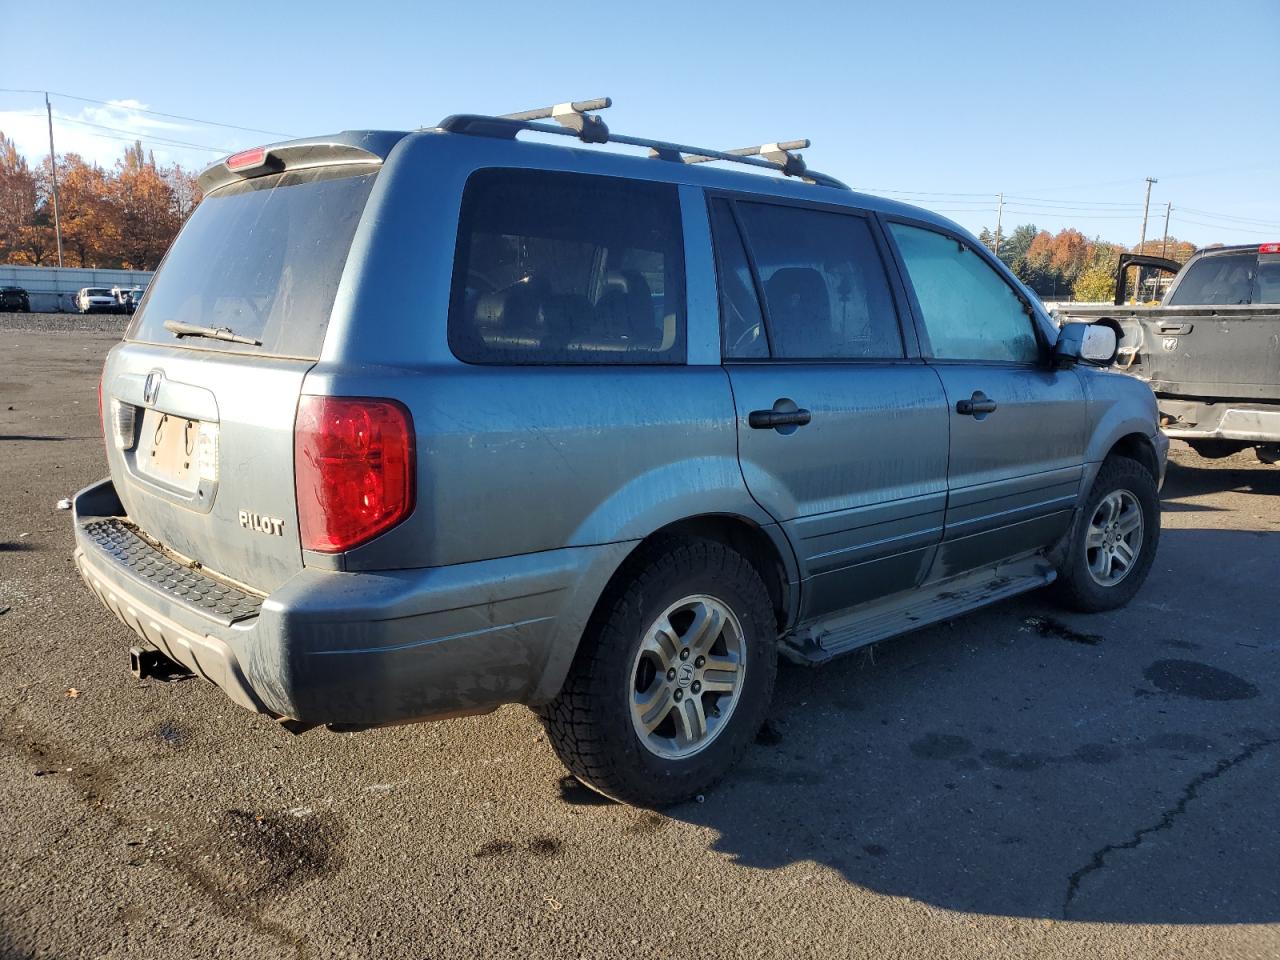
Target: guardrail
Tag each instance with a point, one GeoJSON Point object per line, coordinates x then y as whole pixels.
{"type": "Point", "coordinates": [53, 289]}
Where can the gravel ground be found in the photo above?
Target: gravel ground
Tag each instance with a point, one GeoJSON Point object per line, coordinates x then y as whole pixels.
{"type": "Point", "coordinates": [1017, 783]}
{"type": "Point", "coordinates": [65, 322]}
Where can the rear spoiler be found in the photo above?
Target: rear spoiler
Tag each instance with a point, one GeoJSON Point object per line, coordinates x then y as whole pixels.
{"type": "Point", "coordinates": [367, 146]}
{"type": "Point", "coordinates": [1128, 260]}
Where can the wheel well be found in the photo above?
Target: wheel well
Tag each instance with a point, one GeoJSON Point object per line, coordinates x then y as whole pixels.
{"type": "Point", "coordinates": [743, 536]}
{"type": "Point", "coordinates": [1135, 446]}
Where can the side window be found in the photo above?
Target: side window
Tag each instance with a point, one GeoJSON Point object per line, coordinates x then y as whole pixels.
{"type": "Point", "coordinates": [969, 311]}
{"type": "Point", "coordinates": [742, 334]}
{"type": "Point", "coordinates": [566, 268]}
{"type": "Point", "coordinates": [824, 284]}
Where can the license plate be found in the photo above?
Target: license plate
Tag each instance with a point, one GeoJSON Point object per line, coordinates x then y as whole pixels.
{"type": "Point", "coordinates": [169, 450]}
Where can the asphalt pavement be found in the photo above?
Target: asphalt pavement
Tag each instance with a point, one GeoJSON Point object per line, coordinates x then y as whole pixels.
{"type": "Point", "coordinates": [1022, 782]}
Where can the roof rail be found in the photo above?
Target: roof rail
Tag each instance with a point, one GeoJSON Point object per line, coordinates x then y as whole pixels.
{"type": "Point", "coordinates": [577, 119]}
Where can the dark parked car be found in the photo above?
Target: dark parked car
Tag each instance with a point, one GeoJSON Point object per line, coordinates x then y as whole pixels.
{"type": "Point", "coordinates": [15, 299]}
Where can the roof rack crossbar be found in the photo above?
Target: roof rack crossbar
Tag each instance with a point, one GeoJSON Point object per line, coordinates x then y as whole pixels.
{"type": "Point", "coordinates": [574, 120]}
{"type": "Point", "coordinates": [780, 153]}
{"type": "Point", "coordinates": [574, 115]}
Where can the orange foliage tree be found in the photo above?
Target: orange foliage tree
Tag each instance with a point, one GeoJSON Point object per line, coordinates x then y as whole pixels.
{"type": "Point", "coordinates": [123, 217]}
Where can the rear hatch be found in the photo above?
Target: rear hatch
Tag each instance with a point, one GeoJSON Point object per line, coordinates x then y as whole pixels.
{"type": "Point", "coordinates": [1217, 335]}
{"type": "Point", "coordinates": [199, 401]}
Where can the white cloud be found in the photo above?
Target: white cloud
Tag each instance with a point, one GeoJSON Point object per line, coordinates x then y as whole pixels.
{"type": "Point", "coordinates": [101, 133]}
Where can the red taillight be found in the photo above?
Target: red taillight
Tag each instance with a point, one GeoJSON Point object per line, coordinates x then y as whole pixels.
{"type": "Point", "coordinates": [246, 159]}
{"type": "Point", "coordinates": [353, 470]}
{"type": "Point", "coordinates": [1269, 248]}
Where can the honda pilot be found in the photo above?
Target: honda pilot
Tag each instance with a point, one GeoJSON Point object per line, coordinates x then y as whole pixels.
{"type": "Point", "coordinates": [411, 425]}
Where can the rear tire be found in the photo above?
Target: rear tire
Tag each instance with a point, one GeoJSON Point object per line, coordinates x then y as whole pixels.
{"type": "Point", "coordinates": [657, 706]}
{"type": "Point", "coordinates": [1114, 540]}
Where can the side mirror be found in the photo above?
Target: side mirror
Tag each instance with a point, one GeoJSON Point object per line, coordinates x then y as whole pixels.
{"type": "Point", "coordinates": [1092, 343]}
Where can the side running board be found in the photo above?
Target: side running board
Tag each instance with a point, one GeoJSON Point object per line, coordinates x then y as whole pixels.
{"type": "Point", "coordinates": [822, 640]}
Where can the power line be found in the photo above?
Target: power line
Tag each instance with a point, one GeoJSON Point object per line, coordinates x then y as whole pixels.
{"type": "Point", "coordinates": [1219, 226]}
{"type": "Point", "coordinates": [154, 113]}
{"type": "Point", "coordinates": [1086, 203]}
{"type": "Point", "coordinates": [1226, 216]}
{"type": "Point", "coordinates": [144, 136]}
{"type": "Point", "coordinates": [144, 139]}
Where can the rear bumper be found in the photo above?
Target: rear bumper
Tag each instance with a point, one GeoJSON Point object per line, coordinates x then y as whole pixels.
{"type": "Point", "coordinates": [1226, 420]}
{"type": "Point", "coordinates": [366, 649]}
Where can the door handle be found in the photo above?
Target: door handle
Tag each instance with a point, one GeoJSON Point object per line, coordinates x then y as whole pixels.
{"type": "Point", "coordinates": [979, 405]}
{"type": "Point", "coordinates": [772, 419]}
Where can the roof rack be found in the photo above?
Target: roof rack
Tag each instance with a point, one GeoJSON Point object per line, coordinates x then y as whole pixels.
{"type": "Point", "coordinates": [578, 119]}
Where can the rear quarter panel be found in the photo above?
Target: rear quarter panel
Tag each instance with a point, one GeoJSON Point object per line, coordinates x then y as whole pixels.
{"type": "Point", "coordinates": [516, 459]}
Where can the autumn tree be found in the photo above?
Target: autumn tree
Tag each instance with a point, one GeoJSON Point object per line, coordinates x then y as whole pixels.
{"type": "Point", "coordinates": [90, 232]}
{"type": "Point", "coordinates": [147, 212]}
{"type": "Point", "coordinates": [26, 233]}
{"type": "Point", "coordinates": [184, 189]}
{"type": "Point", "coordinates": [1097, 281]}
{"type": "Point", "coordinates": [125, 216]}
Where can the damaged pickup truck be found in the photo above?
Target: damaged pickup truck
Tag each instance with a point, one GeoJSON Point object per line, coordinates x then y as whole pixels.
{"type": "Point", "coordinates": [1210, 349]}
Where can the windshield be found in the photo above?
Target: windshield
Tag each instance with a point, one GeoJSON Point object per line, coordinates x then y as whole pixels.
{"type": "Point", "coordinates": [263, 258]}
{"type": "Point", "coordinates": [97, 292]}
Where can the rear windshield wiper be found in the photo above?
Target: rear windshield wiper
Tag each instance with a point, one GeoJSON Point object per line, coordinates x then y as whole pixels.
{"type": "Point", "coordinates": [180, 330]}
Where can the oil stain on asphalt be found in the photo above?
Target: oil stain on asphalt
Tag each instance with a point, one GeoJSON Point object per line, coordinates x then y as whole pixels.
{"type": "Point", "coordinates": [1188, 678]}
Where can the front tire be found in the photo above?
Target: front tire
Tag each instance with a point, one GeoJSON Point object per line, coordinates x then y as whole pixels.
{"type": "Point", "coordinates": [1114, 540]}
{"type": "Point", "coordinates": [673, 676]}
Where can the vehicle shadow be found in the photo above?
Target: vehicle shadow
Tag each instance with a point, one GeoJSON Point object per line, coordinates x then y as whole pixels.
{"type": "Point", "coordinates": [1028, 762]}
{"type": "Point", "coordinates": [1210, 476]}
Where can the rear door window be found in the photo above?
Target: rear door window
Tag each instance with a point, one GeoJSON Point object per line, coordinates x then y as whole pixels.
{"type": "Point", "coordinates": [1218, 280]}
{"type": "Point", "coordinates": [261, 257]}
{"type": "Point", "coordinates": [742, 331]}
{"type": "Point", "coordinates": [824, 284]}
{"type": "Point", "coordinates": [558, 267]}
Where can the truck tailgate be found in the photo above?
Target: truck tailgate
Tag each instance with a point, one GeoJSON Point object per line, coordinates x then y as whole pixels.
{"type": "Point", "coordinates": [1222, 351]}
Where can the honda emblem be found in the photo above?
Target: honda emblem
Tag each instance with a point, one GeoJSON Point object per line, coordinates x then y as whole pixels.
{"type": "Point", "coordinates": [151, 389]}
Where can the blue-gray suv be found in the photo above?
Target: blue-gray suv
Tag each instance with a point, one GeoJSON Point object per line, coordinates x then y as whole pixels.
{"type": "Point", "coordinates": [413, 425]}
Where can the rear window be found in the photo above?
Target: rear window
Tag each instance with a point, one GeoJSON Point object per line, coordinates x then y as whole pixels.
{"type": "Point", "coordinates": [261, 257]}
{"type": "Point", "coordinates": [566, 268]}
{"type": "Point", "coordinates": [1218, 280]}
{"type": "Point", "coordinates": [1266, 288]}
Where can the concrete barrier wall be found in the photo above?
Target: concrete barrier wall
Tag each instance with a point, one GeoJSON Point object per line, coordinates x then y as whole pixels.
{"type": "Point", "coordinates": [53, 289]}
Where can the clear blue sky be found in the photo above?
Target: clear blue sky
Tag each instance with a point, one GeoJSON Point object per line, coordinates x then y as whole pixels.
{"type": "Point", "coordinates": [1072, 103]}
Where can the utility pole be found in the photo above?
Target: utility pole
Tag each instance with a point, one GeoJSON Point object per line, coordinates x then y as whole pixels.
{"type": "Point", "coordinates": [53, 168]}
{"type": "Point", "coordinates": [1145, 207]}
{"type": "Point", "coordinates": [999, 213]}
{"type": "Point", "coordinates": [1168, 209]}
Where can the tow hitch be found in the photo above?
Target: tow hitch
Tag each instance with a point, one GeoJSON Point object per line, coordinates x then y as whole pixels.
{"type": "Point", "coordinates": [145, 663]}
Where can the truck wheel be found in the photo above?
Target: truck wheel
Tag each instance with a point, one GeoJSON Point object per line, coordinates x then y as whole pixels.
{"type": "Point", "coordinates": [673, 676]}
{"type": "Point", "coordinates": [1113, 543]}
{"type": "Point", "coordinates": [1216, 449]}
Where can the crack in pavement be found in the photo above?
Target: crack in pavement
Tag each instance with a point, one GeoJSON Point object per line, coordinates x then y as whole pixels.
{"type": "Point", "coordinates": [92, 786]}
{"type": "Point", "coordinates": [1098, 860]}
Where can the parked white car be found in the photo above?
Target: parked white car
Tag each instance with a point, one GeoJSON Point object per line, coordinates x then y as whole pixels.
{"type": "Point", "coordinates": [96, 300]}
